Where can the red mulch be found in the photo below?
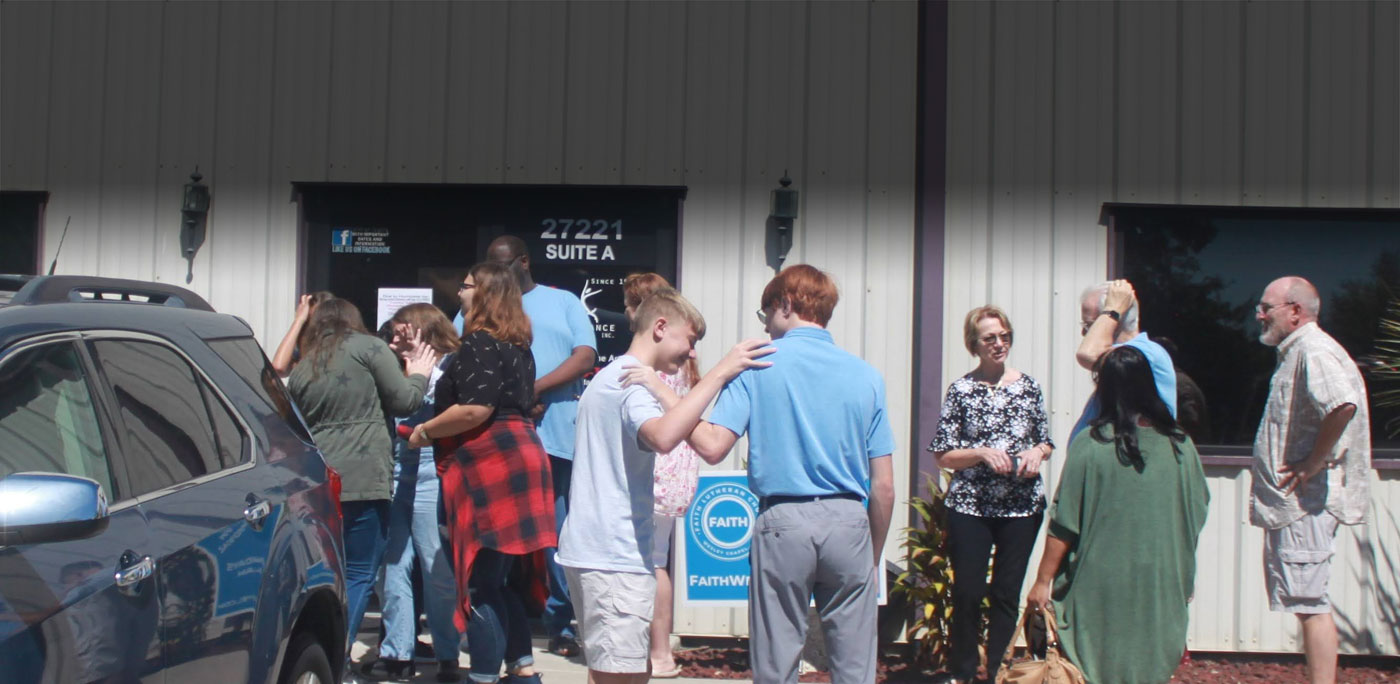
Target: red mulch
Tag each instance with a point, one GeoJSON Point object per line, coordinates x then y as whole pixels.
{"type": "Point", "coordinates": [729, 659]}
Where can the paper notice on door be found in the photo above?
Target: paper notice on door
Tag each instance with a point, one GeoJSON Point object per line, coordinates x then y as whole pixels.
{"type": "Point", "coordinates": [391, 299]}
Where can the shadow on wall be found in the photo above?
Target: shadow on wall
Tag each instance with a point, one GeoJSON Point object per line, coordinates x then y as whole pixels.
{"type": "Point", "coordinates": [1380, 574]}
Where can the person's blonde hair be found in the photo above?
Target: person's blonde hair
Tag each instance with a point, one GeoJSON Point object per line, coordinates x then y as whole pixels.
{"type": "Point", "coordinates": [975, 316]}
{"type": "Point", "coordinates": [669, 304]}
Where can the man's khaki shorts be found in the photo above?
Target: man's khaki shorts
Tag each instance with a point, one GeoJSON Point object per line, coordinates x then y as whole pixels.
{"type": "Point", "coordinates": [614, 612]}
{"type": "Point", "coordinates": [1298, 564]}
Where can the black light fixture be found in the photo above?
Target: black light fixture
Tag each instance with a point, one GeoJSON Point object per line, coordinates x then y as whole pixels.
{"type": "Point", "coordinates": [783, 211]}
{"type": "Point", "coordinates": [195, 211]}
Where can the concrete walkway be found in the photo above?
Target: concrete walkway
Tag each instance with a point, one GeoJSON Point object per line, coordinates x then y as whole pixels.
{"type": "Point", "coordinates": [553, 669]}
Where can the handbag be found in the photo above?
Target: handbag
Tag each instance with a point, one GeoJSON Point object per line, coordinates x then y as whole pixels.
{"type": "Point", "coordinates": [1054, 669]}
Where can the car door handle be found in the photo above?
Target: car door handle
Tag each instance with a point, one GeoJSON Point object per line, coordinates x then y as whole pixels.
{"type": "Point", "coordinates": [136, 572]}
{"type": "Point", "coordinates": [256, 511]}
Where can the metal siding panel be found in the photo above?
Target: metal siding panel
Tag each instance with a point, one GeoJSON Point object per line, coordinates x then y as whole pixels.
{"type": "Point", "coordinates": [26, 31]}
{"type": "Point", "coordinates": [301, 95]}
{"type": "Point", "coordinates": [1385, 112]}
{"type": "Point", "coordinates": [1273, 104]}
{"type": "Point", "coordinates": [476, 92]}
{"type": "Point", "coordinates": [359, 97]}
{"type": "Point", "coordinates": [889, 267]}
{"type": "Point", "coordinates": [653, 151]}
{"type": "Point", "coordinates": [833, 236]}
{"type": "Point", "coordinates": [129, 141]}
{"type": "Point", "coordinates": [971, 44]}
{"type": "Point", "coordinates": [535, 109]}
{"type": "Point", "coordinates": [1083, 179]}
{"type": "Point", "coordinates": [1338, 54]}
{"type": "Point", "coordinates": [75, 141]}
{"type": "Point", "coordinates": [185, 138]}
{"type": "Point", "coordinates": [595, 92]}
{"type": "Point", "coordinates": [1022, 176]}
{"type": "Point", "coordinates": [713, 234]}
{"type": "Point", "coordinates": [237, 244]}
{"type": "Point", "coordinates": [1210, 107]}
{"type": "Point", "coordinates": [1147, 141]}
{"type": "Point", "coordinates": [417, 120]}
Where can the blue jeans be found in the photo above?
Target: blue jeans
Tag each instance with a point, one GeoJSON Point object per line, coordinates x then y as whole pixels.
{"type": "Point", "coordinates": [413, 531]}
{"type": "Point", "coordinates": [497, 631]}
{"type": "Point", "coordinates": [366, 527]}
{"type": "Point", "coordinates": [558, 610]}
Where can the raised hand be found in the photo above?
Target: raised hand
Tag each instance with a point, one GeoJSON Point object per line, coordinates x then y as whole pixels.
{"type": "Point", "coordinates": [742, 357]}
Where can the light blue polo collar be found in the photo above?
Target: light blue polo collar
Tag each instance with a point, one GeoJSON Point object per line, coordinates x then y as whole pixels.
{"type": "Point", "coordinates": [808, 331]}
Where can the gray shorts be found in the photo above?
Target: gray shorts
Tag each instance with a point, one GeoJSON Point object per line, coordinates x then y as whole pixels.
{"type": "Point", "coordinates": [614, 618]}
{"type": "Point", "coordinates": [1298, 564]}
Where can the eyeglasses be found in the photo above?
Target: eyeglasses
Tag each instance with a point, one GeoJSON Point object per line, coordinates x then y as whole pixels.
{"type": "Point", "coordinates": [1264, 307]}
{"type": "Point", "coordinates": [989, 339]}
{"type": "Point", "coordinates": [762, 316]}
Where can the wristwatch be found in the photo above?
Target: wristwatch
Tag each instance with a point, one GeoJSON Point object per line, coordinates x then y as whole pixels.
{"type": "Point", "coordinates": [1111, 314]}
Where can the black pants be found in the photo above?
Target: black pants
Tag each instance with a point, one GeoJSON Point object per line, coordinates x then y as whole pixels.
{"type": "Point", "coordinates": [970, 541]}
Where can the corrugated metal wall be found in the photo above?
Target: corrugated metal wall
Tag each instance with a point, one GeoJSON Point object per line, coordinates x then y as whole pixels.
{"type": "Point", "coordinates": [109, 106]}
{"type": "Point", "coordinates": [1056, 108]}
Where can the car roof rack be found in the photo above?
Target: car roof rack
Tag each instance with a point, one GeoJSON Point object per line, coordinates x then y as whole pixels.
{"type": "Point", "coordinates": [69, 288]}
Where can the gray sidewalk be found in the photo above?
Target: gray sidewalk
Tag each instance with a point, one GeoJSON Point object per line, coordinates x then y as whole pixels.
{"type": "Point", "coordinates": [553, 669]}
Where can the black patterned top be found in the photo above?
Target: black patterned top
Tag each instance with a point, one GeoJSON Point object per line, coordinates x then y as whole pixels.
{"type": "Point", "coordinates": [1010, 417]}
{"type": "Point", "coordinates": [488, 372]}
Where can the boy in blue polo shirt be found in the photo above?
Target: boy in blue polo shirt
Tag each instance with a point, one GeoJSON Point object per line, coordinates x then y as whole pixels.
{"type": "Point", "coordinates": [819, 451]}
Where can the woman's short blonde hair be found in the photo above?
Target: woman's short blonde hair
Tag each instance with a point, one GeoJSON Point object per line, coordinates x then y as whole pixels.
{"type": "Point", "coordinates": [974, 317]}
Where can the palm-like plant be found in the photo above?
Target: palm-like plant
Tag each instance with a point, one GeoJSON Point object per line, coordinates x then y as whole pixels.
{"type": "Point", "coordinates": [928, 581]}
{"type": "Point", "coordinates": [1386, 368]}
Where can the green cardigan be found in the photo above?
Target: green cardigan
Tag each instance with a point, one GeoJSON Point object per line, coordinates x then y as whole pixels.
{"type": "Point", "coordinates": [347, 406]}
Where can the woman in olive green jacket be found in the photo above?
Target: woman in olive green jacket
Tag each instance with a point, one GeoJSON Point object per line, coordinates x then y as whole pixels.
{"type": "Point", "coordinates": [347, 385]}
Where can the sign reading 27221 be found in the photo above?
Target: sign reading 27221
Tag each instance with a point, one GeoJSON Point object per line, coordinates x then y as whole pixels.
{"type": "Point", "coordinates": [580, 239]}
{"type": "Point", "coordinates": [714, 563]}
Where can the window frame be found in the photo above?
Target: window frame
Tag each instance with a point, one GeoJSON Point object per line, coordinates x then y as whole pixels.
{"type": "Point", "coordinates": [1242, 455]}
{"type": "Point", "coordinates": [116, 465]}
{"type": "Point", "coordinates": [110, 401]}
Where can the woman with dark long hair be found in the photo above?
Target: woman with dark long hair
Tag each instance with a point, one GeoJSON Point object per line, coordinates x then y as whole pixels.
{"type": "Point", "coordinates": [495, 474]}
{"type": "Point", "coordinates": [286, 356]}
{"type": "Point", "coordinates": [1120, 553]}
{"type": "Point", "coordinates": [346, 383]}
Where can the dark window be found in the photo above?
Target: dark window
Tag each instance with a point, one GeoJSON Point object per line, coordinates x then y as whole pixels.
{"type": "Point", "coordinates": [1199, 272]}
{"type": "Point", "coordinates": [171, 433]}
{"type": "Point", "coordinates": [47, 421]}
{"type": "Point", "coordinates": [246, 358]}
{"type": "Point", "coordinates": [21, 214]}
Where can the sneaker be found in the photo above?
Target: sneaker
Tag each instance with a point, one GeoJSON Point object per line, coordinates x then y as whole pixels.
{"type": "Point", "coordinates": [448, 671]}
{"type": "Point", "coordinates": [386, 670]}
{"type": "Point", "coordinates": [564, 645]}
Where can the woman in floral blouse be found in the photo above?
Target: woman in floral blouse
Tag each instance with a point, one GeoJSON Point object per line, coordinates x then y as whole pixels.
{"type": "Point", "coordinates": [994, 435]}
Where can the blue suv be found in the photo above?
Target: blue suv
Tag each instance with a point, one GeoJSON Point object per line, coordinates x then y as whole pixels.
{"type": "Point", "coordinates": [164, 514]}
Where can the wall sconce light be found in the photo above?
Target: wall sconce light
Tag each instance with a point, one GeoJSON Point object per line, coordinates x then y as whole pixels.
{"type": "Point", "coordinates": [195, 212]}
{"type": "Point", "coordinates": [783, 211]}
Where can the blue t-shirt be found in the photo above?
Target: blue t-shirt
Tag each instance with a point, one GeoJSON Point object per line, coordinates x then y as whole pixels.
{"type": "Point", "coordinates": [1163, 373]}
{"type": "Point", "coordinates": [559, 323]}
{"type": "Point", "coordinates": [815, 418]}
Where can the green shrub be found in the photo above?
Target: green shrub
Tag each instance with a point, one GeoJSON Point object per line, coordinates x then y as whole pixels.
{"type": "Point", "coordinates": [927, 580]}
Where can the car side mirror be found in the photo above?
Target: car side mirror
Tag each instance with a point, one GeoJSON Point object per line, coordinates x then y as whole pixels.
{"type": "Point", "coordinates": [36, 508]}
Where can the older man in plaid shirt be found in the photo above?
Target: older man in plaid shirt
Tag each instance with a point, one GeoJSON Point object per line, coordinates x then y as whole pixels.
{"type": "Point", "coordinates": [1312, 460]}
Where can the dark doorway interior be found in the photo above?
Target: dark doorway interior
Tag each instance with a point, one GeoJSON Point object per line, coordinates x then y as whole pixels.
{"type": "Point", "coordinates": [21, 217]}
{"type": "Point", "coordinates": [357, 239]}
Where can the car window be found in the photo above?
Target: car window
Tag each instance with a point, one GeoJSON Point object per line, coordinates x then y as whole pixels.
{"type": "Point", "coordinates": [232, 443]}
{"type": "Point", "coordinates": [171, 434]}
{"type": "Point", "coordinates": [47, 420]}
{"type": "Point", "coordinates": [246, 358]}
